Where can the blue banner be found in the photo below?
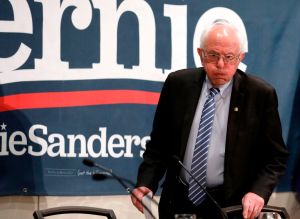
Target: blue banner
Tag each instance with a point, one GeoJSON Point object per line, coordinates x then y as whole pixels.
{"type": "Point", "coordinates": [81, 79]}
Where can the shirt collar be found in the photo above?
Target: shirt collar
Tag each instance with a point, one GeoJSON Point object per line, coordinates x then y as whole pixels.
{"type": "Point", "coordinates": [224, 89]}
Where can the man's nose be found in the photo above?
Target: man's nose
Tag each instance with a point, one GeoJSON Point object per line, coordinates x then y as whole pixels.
{"type": "Point", "coordinates": [220, 62]}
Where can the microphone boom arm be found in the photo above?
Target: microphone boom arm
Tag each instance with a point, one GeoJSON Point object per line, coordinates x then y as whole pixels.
{"type": "Point", "coordinates": [224, 215]}
{"type": "Point", "coordinates": [91, 163]}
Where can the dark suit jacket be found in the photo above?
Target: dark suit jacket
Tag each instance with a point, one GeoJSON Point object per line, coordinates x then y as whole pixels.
{"type": "Point", "coordinates": [255, 154]}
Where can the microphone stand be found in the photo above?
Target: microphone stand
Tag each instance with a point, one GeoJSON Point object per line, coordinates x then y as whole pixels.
{"type": "Point", "coordinates": [91, 163]}
{"type": "Point", "coordinates": [223, 214]}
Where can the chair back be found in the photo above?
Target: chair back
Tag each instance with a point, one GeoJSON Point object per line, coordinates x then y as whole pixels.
{"type": "Point", "coordinates": [236, 211]}
{"type": "Point", "coordinates": [41, 214]}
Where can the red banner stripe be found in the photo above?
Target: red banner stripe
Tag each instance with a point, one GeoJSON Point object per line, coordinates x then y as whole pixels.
{"type": "Point", "coordinates": [76, 98]}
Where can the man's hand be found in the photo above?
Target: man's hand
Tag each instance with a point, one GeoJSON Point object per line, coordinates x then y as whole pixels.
{"type": "Point", "coordinates": [252, 205]}
{"type": "Point", "coordinates": [139, 193]}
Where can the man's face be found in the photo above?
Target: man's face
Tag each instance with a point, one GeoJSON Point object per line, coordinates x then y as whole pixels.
{"type": "Point", "coordinates": [221, 55]}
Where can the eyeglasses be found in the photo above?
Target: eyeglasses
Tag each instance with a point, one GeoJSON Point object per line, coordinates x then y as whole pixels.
{"type": "Point", "coordinates": [215, 57]}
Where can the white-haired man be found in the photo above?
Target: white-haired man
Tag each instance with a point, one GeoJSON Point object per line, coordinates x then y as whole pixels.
{"type": "Point", "coordinates": [245, 153]}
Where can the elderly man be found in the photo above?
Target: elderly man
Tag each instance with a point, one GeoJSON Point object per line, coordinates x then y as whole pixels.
{"type": "Point", "coordinates": [223, 125]}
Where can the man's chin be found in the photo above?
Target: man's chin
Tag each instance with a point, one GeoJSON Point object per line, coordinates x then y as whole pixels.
{"type": "Point", "coordinates": [219, 82]}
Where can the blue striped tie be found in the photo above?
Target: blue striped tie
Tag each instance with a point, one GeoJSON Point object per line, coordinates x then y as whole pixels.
{"type": "Point", "coordinates": [199, 162]}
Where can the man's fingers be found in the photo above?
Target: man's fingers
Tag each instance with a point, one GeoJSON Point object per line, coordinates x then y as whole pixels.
{"type": "Point", "coordinates": [252, 205]}
{"type": "Point", "coordinates": [250, 211]}
{"type": "Point", "coordinates": [246, 209]}
{"type": "Point", "coordinates": [137, 196]}
{"type": "Point", "coordinates": [256, 212]}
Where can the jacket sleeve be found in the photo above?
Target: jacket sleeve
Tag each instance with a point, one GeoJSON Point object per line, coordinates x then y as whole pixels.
{"type": "Point", "coordinates": [154, 164]}
{"type": "Point", "coordinates": [273, 152]}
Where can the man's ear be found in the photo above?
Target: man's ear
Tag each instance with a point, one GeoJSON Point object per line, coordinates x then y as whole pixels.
{"type": "Point", "coordinates": [199, 50]}
{"type": "Point", "coordinates": [200, 53]}
{"type": "Point", "coordinates": [242, 56]}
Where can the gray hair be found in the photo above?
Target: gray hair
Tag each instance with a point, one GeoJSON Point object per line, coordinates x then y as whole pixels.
{"type": "Point", "coordinates": [221, 22]}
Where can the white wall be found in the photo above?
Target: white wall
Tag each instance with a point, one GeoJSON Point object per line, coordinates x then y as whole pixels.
{"type": "Point", "coordinates": [22, 207]}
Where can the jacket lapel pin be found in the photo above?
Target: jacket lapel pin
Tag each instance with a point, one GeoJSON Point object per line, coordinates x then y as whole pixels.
{"type": "Point", "coordinates": [236, 109]}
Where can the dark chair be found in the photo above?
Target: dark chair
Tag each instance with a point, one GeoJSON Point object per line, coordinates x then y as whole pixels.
{"type": "Point", "coordinates": [40, 214]}
{"type": "Point", "coordinates": [236, 211]}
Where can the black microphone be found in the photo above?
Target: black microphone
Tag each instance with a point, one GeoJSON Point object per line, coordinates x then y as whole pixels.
{"type": "Point", "coordinates": [100, 176]}
{"type": "Point", "coordinates": [105, 175]}
{"type": "Point", "coordinates": [223, 214]}
{"type": "Point", "coordinates": [121, 180]}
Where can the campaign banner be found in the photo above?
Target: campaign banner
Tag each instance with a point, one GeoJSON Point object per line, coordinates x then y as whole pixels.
{"type": "Point", "coordinates": [82, 78]}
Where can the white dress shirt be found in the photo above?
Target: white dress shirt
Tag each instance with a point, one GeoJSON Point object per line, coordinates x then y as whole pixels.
{"type": "Point", "coordinates": [216, 152]}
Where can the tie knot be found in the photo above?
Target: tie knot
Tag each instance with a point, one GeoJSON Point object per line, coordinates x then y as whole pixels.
{"type": "Point", "coordinates": [213, 91]}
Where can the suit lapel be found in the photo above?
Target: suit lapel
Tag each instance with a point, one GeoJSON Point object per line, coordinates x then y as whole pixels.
{"type": "Point", "coordinates": [193, 95]}
{"type": "Point", "coordinates": [234, 122]}
{"type": "Point", "coordinates": [235, 110]}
